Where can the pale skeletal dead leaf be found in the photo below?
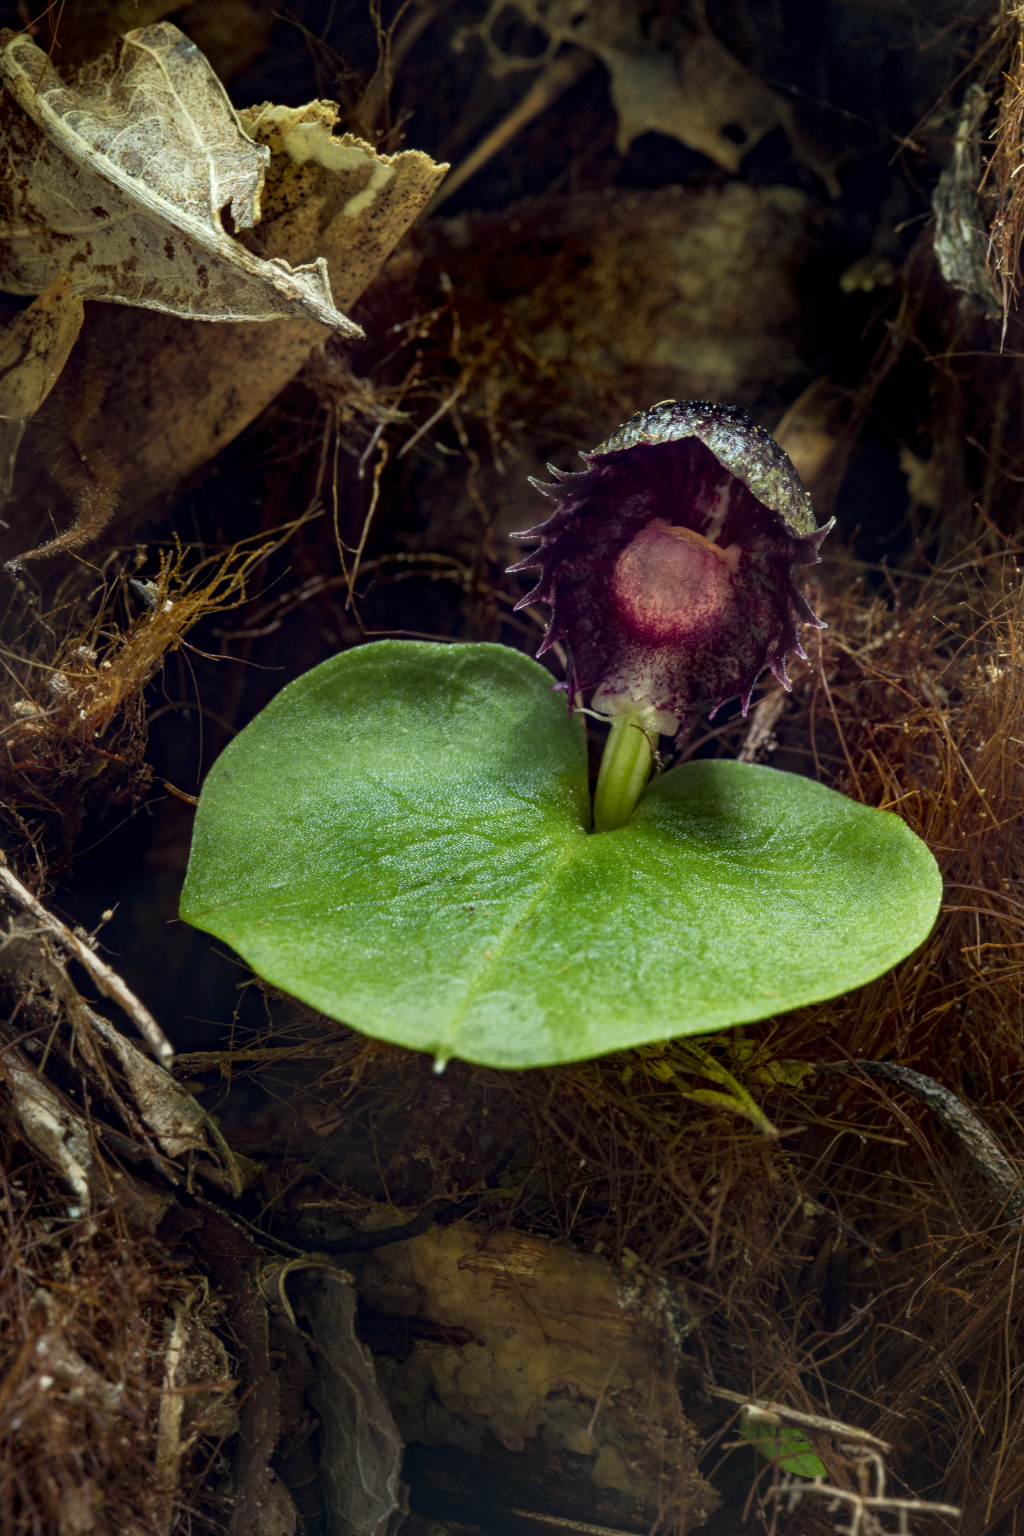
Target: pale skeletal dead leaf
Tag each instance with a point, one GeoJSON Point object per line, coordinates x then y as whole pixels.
{"type": "Point", "coordinates": [33, 349]}
{"type": "Point", "coordinates": [124, 176]}
{"type": "Point", "coordinates": [185, 391]}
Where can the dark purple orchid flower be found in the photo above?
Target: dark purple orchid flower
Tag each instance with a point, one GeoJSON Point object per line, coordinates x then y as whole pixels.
{"type": "Point", "coordinates": [668, 565]}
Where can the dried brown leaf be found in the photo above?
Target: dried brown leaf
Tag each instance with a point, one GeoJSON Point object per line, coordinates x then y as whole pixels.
{"type": "Point", "coordinates": [176, 1119]}
{"type": "Point", "coordinates": [33, 349]}
{"type": "Point", "coordinates": [361, 1455]}
{"type": "Point", "coordinates": [666, 77]}
{"type": "Point", "coordinates": [961, 234]}
{"type": "Point", "coordinates": [58, 1134]}
{"type": "Point", "coordinates": [698, 94]}
{"type": "Point", "coordinates": [334, 196]}
{"type": "Point", "coordinates": [125, 175]}
{"type": "Point", "coordinates": [185, 391]}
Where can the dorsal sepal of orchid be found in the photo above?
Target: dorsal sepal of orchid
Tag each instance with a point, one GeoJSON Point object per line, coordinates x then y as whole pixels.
{"type": "Point", "coordinates": [668, 563]}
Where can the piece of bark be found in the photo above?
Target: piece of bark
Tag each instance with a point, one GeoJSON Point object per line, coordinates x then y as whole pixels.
{"type": "Point", "coordinates": [232, 1258]}
{"type": "Point", "coordinates": [531, 1376]}
{"type": "Point", "coordinates": [1002, 1175]}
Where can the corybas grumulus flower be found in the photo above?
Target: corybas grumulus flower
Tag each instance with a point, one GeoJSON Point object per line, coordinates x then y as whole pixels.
{"type": "Point", "coordinates": [668, 564]}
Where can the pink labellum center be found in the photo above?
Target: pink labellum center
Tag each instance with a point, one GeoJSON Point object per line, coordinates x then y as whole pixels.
{"type": "Point", "coordinates": [670, 583]}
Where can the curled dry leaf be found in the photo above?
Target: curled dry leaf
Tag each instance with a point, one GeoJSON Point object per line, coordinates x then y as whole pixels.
{"type": "Point", "coordinates": [57, 1133]}
{"type": "Point", "coordinates": [169, 1111]}
{"type": "Point", "coordinates": [33, 349]}
{"type": "Point", "coordinates": [125, 176]}
{"type": "Point", "coordinates": [361, 1448]}
{"type": "Point", "coordinates": [665, 75]}
{"type": "Point", "coordinates": [184, 391]}
{"type": "Point", "coordinates": [961, 230]}
{"type": "Point", "coordinates": [698, 94]}
{"type": "Point", "coordinates": [307, 204]}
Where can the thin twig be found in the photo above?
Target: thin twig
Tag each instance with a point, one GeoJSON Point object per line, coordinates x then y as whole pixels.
{"type": "Point", "coordinates": [794, 1416]}
{"type": "Point", "coordinates": [375, 97]}
{"type": "Point", "coordinates": [445, 405]}
{"type": "Point", "coordinates": [367, 520]}
{"type": "Point", "coordinates": [108, 981]}
{"type": "Point", "coordinates": [559, 76]}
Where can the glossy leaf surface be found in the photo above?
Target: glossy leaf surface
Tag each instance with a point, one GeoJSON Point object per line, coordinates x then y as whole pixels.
{"type": "Point", "coordinates": [401, 840]}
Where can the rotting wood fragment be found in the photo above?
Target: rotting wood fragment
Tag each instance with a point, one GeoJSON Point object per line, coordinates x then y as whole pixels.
{"type": "Point", "coordinates": [535, 1377]}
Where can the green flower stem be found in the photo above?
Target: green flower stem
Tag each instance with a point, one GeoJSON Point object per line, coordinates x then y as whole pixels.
{"type": "Point", "coordinates": [625, 770]}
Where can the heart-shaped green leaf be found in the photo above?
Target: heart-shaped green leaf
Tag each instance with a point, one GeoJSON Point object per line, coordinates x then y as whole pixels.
{"type": "Point", "coordinates": [401, 840]}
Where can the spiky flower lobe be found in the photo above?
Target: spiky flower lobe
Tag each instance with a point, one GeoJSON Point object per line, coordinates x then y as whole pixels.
{"type": "Point", "coordinates": [668, 564]}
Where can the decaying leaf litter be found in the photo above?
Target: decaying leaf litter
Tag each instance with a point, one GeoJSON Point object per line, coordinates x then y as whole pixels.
{"type": "Point", "coordinates": [859, 1265]}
